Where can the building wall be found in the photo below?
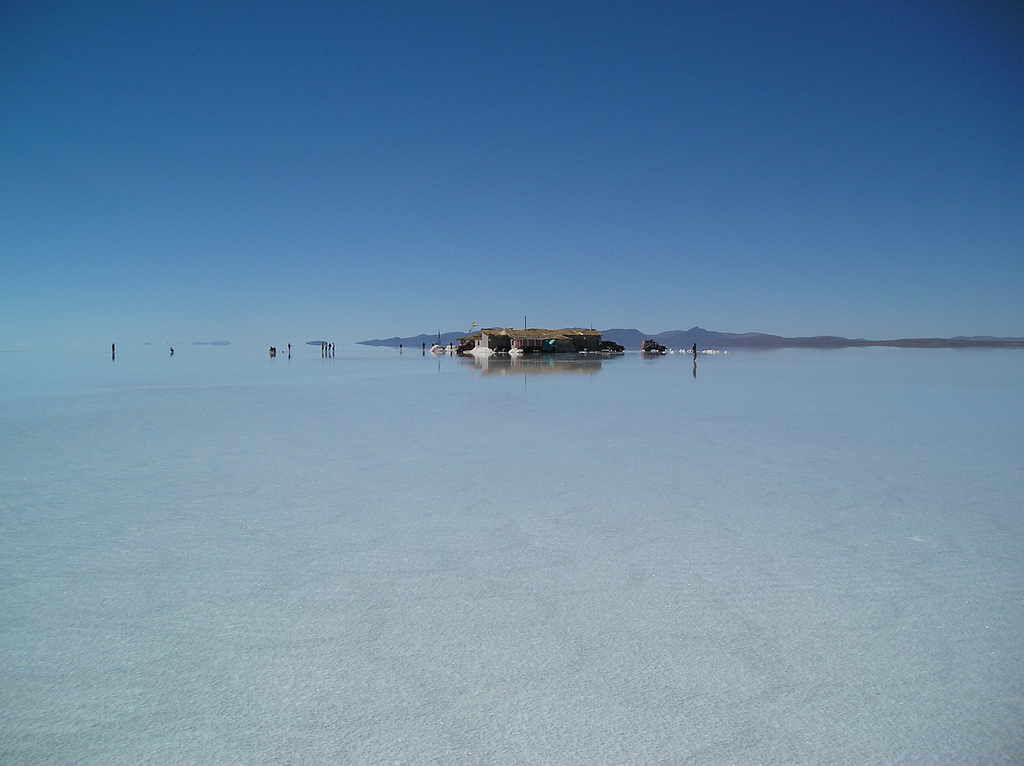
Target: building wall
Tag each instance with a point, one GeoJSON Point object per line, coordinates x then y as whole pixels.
{"type": "Point", "coordinates": [496, 342]}
{"type": "Point", "coordinates": [502, 339]}
{"type": "Point", "coordinates": [588, 342]}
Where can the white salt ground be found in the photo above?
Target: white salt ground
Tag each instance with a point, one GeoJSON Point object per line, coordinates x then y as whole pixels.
{"type": "Point", "coordinates": [793, 557]}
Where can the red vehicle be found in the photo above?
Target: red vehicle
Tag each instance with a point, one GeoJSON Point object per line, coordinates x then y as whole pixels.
{"type": "Point", "coordinates": [651, 346]}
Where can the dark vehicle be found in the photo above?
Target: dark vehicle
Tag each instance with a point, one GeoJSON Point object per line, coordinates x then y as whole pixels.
{"type": "Point", "coordinates": [651, 346]}
{"type": "Point", "coordinates": [611, 347]}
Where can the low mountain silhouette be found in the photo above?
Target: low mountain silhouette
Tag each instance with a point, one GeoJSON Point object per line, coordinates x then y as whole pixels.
{"type": "Point", "coordinates": [417, 340]}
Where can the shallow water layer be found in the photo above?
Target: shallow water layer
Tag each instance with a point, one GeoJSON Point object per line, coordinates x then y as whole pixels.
{"type": "Point", "coordinates": [783, 557]}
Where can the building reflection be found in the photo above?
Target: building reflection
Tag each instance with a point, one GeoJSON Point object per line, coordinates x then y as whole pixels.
{"type": "Point", "coordinates": [535, 364]}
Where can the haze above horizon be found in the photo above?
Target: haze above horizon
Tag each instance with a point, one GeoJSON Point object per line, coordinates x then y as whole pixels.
{"type": "Point", "coordinates": [227, 171]}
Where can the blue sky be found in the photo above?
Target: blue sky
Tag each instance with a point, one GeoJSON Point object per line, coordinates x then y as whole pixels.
{"type": "Point", "coordinates": [261, 173]}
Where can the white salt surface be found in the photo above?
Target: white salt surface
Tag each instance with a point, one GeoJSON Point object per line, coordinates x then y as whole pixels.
{"type": "Point", "coordinates": [791, 557]}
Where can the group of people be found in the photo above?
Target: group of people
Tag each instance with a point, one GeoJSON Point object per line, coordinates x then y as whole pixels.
{"type": "Point", "coordinates": [326, 350]}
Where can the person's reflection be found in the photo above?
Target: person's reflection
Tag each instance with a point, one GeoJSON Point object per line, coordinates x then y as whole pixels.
{"type": "Point", "coordinates": [695, 367]}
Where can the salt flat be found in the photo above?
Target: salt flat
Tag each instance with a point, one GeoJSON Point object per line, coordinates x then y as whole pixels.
{"type": "Point", "coordinates": [783, 557]}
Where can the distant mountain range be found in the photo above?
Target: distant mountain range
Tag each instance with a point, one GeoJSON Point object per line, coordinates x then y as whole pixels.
{"type": "Point", "coordinates": [417, 340]}
{"type": "Point", "coordinates": [632, 339]}
{"type": "Point", "coordinates": [712, 339]}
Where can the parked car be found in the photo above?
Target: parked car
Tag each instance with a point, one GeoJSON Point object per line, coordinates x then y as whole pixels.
{"type": "Point", "coordinates": [651, 346]}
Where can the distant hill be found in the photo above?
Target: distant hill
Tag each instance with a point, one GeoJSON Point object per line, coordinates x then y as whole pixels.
{"type": "Point", "coordinates": [632, 339]}
{"type": "Point", "coordinates": [417, 340]}
{"type": "Point", "coordinates": [712, 339]}
{"type": "Point", "coordinates": [753, 340]}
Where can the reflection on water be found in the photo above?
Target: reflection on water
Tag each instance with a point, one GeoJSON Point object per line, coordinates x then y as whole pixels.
{"type": "Point", "coordinates": [806, 557]}
{"type": "Point", "coordinates": [535, 364]}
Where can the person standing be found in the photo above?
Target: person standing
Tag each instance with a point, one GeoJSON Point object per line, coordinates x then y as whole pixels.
{"type": "Point", "coordinates": [111, 352]}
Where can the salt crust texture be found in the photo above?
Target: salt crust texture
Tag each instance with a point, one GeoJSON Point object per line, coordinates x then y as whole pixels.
{"type": "Point", "coordinates": [796, 557]}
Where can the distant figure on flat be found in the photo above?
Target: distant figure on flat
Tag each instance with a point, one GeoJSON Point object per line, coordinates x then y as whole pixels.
{"type": "Point", "coordinates": [172, 351]}
{"type": "Point", "coordinates": [273, 352]}
{"type": "Point", "coordinates": [289, 350]}
{"type": "Point", "coordinates": [111, 352]}
{"type": "Point", "coordinates": [694, 350]}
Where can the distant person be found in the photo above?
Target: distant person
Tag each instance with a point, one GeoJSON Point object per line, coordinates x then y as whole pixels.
{"type": "Point", "coordinates": [111, 352]}
{"type": "Point", "coordinates": [289, 350]}
{"type": "Point", "coordinates": [172, 351]}
{"type": "Point", "coordinates": [694, 350]}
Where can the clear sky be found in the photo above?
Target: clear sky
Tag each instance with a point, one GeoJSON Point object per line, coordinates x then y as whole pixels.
{"type": "Point", "coordinates": [271, 172]}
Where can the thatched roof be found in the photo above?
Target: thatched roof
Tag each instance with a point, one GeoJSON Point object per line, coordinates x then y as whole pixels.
{"type": "Point", "coordinates": [509, 332]}
{"type": "Point", "coordinates": [534, 332]}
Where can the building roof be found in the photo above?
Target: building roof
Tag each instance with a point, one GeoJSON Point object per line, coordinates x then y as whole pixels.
{"type": "Point", "coordinates": [541, 333]}
{"type": "Point", "coordinates": [533, 332]}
